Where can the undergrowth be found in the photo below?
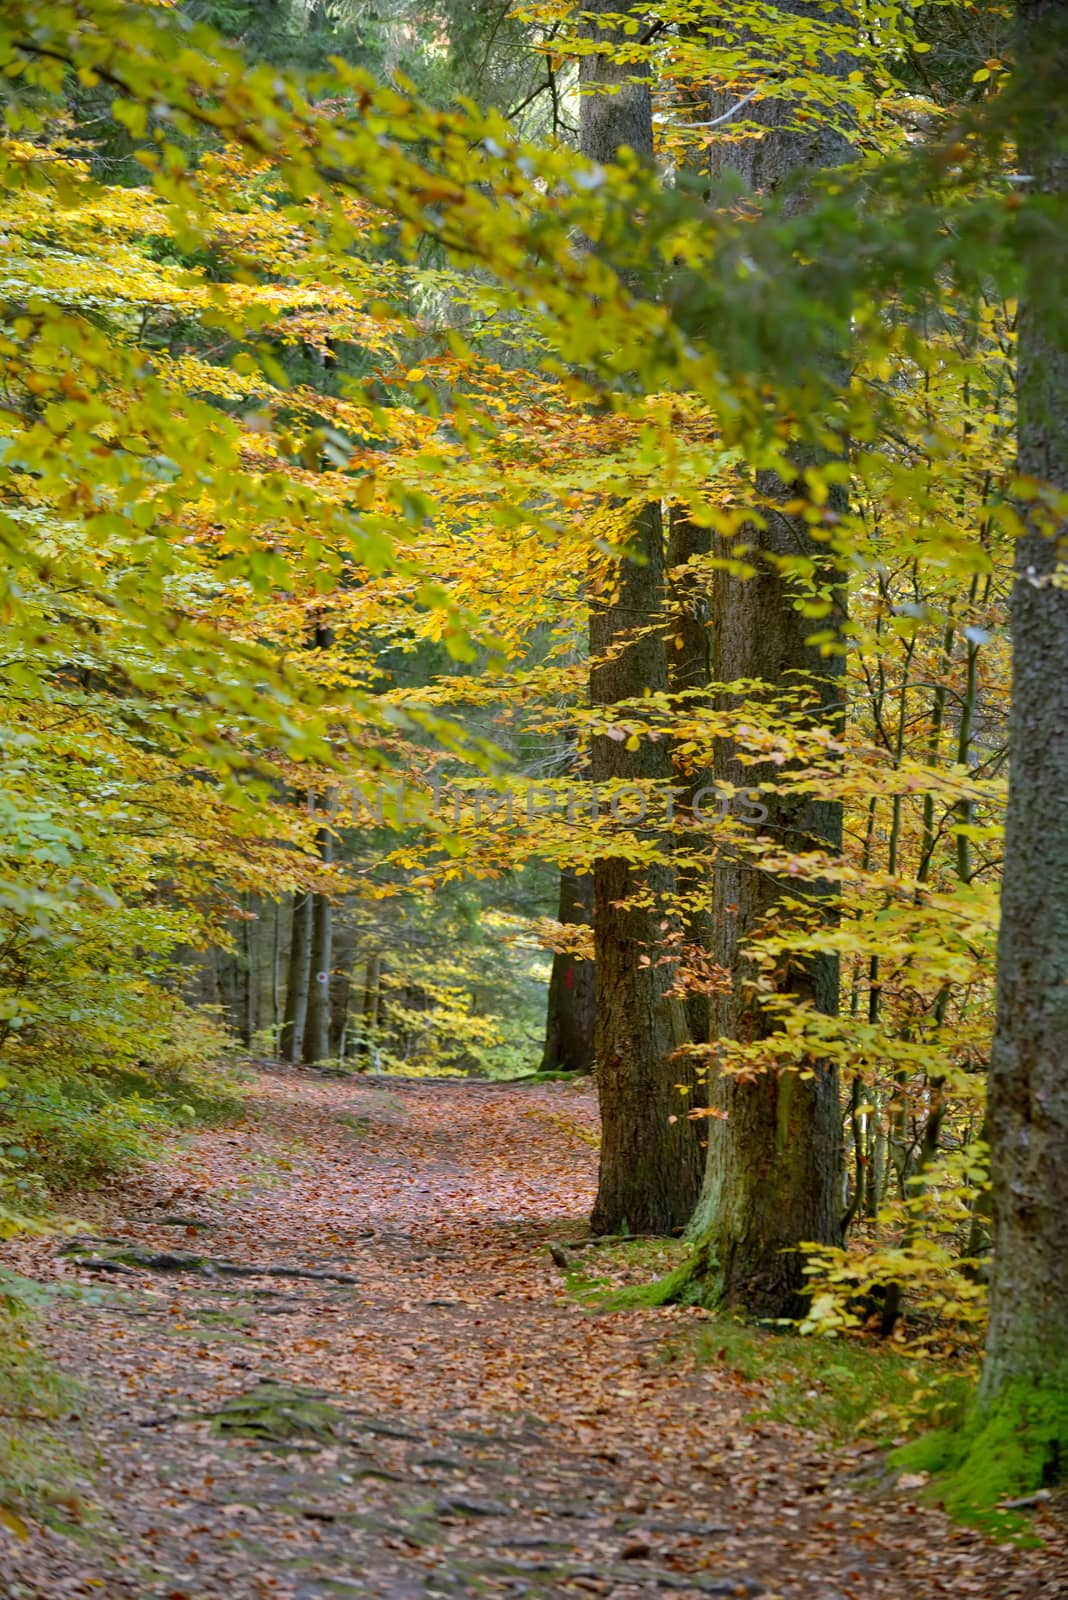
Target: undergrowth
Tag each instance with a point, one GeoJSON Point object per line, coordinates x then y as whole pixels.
{"type": "Point", "coordinates": [39, 1472]}
{"type": "Point", "coordinates": [843, 1389]}
{"type": "Point", "coordinates": [61, 1130]}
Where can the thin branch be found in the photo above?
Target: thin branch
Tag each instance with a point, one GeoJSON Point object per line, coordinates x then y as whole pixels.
{"type": "Point", "coordinates": [727, 115]}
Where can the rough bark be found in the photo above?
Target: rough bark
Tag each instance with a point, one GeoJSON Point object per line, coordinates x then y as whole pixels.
{"type": "Point", "coordinates": [1028, 1104]}
{"type": "Point", "coordinates": [650, 1158]}
{"type": "Point", "coordinates": [772, 1179]}
{"type": "Point", "coordinates": [774, 1160]}
{"type": "Point", "coordinates": [571, 1007]}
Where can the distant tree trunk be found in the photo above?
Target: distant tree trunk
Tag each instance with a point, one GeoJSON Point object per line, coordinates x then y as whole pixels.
{"type": "Point", "coordinates": [571, 1011]}
{"type": "Point", "coordinates": [650, 1159]}
{"type": "Point", "coordinates": [276, 975]}
{"type": "Point", "coordinates": [317, 1023]}
{"type": "Point", "coordinates": [366, 1049]}
{"type": "Point", "coordinates": [341, 987]}
{"type": "Point", "coordinates": [773, 1177]}
{"type": "Point", "coordinates": [224, 972]}
{"type": "Point", "coordinates": [1027, 1345]}
{"type": "Point", "coordinates": [300, 940]}
{"type": "Point", "coordinates": [316, 1045]}
{"type": "Point", "coordinates": [251, 975]}
{"type": "Point", "coordinates": [231, 980]}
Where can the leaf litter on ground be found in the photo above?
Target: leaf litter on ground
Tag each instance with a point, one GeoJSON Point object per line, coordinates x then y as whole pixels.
{"type": "Point", "coordinates": [420, 1408]}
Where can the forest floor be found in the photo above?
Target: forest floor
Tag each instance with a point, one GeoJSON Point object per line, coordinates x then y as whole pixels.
{"type": "Point", "coordinates": [461, 1426]}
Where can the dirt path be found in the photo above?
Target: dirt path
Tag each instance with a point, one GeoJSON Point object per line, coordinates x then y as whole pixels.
{"type": "Point", "coordinates": [478, 1434]}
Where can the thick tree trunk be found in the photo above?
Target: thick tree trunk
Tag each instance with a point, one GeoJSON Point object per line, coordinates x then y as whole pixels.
{"type": "Point", "coordinates": [773, 1176]}
{"type": "Point", "coordinates": [1027, 1345]}
{"type": "Point", "coordinates": [292, 1037]}
{"type": "Point", "coordinates": [650, 1159]}
{"type": "Point", "coordinates": [774, 1156]}
{"type": "Point", "coordinates": [571, 1010]}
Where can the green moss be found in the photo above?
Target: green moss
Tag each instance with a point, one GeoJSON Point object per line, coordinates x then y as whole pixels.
{"type": "Point", "coordinates": [677, 1287]}
{"type": "Point", "coordinates": [359, 1125]}
{"type": "Point", "coordinates": [602, 1278]}
{"type": "Point", "coordinates": [689, 1282]}
{"type": "Point", "coordinates": [1005, 1451]}
{"type": "Point", "coordinates": [278, 1413]}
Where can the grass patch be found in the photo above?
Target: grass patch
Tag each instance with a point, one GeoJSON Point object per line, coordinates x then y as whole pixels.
{"type": "Point", "coordinates": [615, 1277]}
{"type": "Point", "coordinates": [358, 1125]}
{"type": "Point", "coordinates": [581, 1080]}
{"type": "Point", "coordinates": [842, 1389]}
{"type": "Point", "coordinates": [39, 1472]}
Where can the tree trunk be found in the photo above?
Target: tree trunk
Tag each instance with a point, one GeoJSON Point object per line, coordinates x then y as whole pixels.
{"type": "Point", "coordinates": [292, 1037]}
{"type": "Point", "coordinates": [316, 1045]}
{"type": "Point", "coordinates": [689, 671]}
{"type": "Point", "coordinates": [250, 997]}
{"type": "Point", "coordinates": [276, 976]}
{"type": "Point", "coordinates": [1027, 1346]}
{"type": "Point", "coordinates": [367, 1048]}
{"type": "Point", "coordinates": [650, 1159]}
{"type": "Point", "coordinates": [341, 988]}
{"type": "Point", "coordinates": [571, 1011]}
{"type": "Point", "coordinates": [773, 1177]}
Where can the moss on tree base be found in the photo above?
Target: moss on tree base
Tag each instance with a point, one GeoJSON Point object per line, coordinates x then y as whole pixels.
{"type": "Point", "coordinates": [692, 1283]}
{"type": "Point", "coordinates": [1007, 1450]}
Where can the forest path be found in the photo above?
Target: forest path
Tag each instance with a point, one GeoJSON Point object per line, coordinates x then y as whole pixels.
{"type": "Point", "coordinates": [479, 1434]}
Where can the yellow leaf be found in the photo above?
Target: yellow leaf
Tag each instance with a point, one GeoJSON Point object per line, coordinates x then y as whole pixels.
{"type": "Point", "coordinates": [415, 373]}
{"type": "Point", "coordinates": [14, 1523]}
